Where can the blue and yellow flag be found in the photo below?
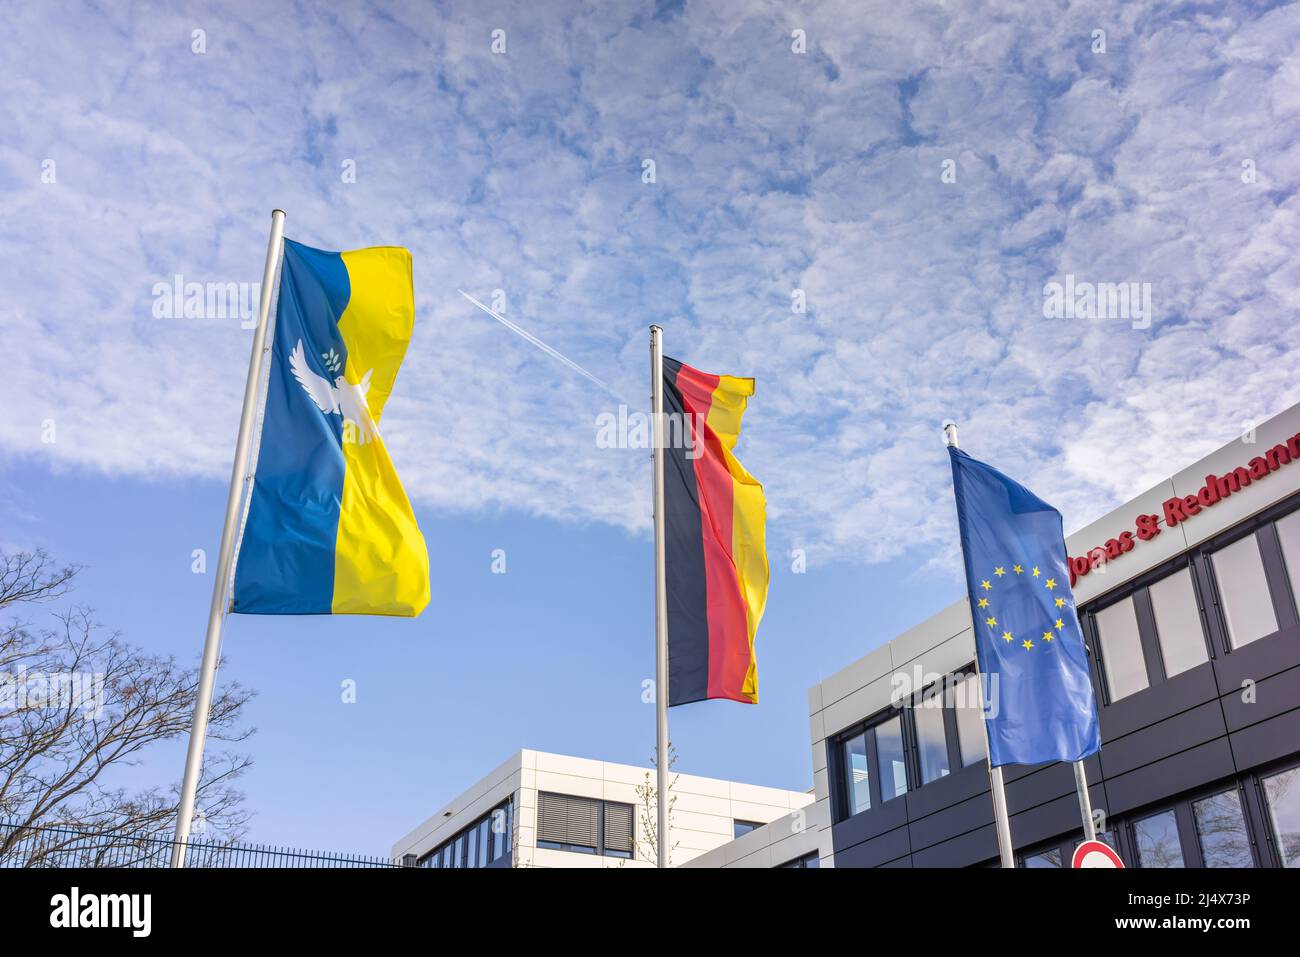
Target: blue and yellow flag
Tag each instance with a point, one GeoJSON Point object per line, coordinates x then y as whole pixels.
{"type": "Point", "coordinates": [1039, 704]}
{"type": "Point", "coordinates": [329, 528]}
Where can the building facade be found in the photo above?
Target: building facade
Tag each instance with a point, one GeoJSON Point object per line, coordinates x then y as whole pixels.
{"type": "Point", "coordinates": [1189, 597]}
{"type": "Point", "coordinates": [551, 810]}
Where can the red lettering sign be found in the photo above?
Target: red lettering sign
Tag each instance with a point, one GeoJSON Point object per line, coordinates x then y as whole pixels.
{"type": "Point", "coordinates": [1180, 509]}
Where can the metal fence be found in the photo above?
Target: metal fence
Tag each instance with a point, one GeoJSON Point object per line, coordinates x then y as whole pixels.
{"type": "Point", "coordinates": [22, 846]}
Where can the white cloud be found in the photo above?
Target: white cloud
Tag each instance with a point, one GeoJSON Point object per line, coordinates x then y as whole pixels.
{"type": "Point", "coordinates": [775, 171]}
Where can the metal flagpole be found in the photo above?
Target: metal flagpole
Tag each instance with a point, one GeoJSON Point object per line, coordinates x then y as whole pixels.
{"type": "Point", "coordinates": [1001, 822]}
{"type": "Point", "coordinates": [221, 581]}
{"type": "Point", "coordinates": [1085, 802]}
{"type": "Point", "coordinates": [662, 837]}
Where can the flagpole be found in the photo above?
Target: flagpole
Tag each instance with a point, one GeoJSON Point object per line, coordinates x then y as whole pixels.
{"type": "Point", "coordinates": [1085, 802]}
{"type": "Point", "coordinates": [221, 580]}
{"type": "Point", "coordinates": [1001, 822]}
{"type": "Point", "coordinates": [662, 837]}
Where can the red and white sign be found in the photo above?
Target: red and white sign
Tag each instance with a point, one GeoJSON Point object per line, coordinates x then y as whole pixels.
{"type": "Point", "coordinates": [1095, 854]}
{"type": "Point", "coordinates": [1177, 510]}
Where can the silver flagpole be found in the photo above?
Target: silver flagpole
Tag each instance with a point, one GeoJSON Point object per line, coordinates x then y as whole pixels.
{"type": "Point", "coordinates": [221, 580]}
{"type": "Point", "coordinates": [662, 837]}
{"type": "Point", "coordinates": [1085, 802]}
{"type": "Point", "coordinates": [1001, 822]}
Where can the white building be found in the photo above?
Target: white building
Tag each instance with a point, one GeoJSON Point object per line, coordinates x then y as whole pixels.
{"type": "Point", "coordinates": [550, 810]}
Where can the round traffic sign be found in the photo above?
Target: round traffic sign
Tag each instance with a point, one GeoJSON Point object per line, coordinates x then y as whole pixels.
{"type": "Point", "coordinates": [1095, 854]}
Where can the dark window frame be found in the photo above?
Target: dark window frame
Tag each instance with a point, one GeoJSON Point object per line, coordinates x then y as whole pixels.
{"type": "Point", "coordinates": [809, 861]}
{"type": "Point", "coordinates": [1255, 806]}
{"type": "Point", "coordinates": [1263, 527]}
{"type": "Point", "coordinates": [1138, 589]}
{"type": "Point", "coordinates": [1189, 838]}
{"type": "Point", "coordinates": [1065, 847]}
{"type": "Point", "coordinates": [867, 727]}
{"type": "Point", "coordinates": [903, 709]}
{"type": "Point", "coordinates": [951, 680]}
{"type": "Point", "coordinates": [912, 737]}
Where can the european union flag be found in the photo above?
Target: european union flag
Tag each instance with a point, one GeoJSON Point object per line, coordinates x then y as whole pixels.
{"type": "Point", "coordinates": [1039, 704]}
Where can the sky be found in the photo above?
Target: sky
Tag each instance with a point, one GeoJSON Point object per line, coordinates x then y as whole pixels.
{"type": "Point", "coordinates": [861, 205]}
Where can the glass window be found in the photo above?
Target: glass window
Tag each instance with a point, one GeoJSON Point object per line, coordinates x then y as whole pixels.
{"type": "Point", "coordinates": [1121, 649]}
{"type": "Point", "coordinates": [1178, 623]}
{"type": "Point", "coordinates": [1243, 590]}
{"type": "Point", "coordinates": [1048, 858]}
{"type": "Point", "coordinates": [931, 739]}
{"type": "Point", "coordinates": [471, 844]}
{"type": "Point", "coordinates": [889, 753]}
{"type": "Point", "coordinates": [859, 777]}
{"type": "Point", "coordinates": [743, 827]}
{"type": "Point", "coordinates": [1109, 838]}
{"type": "Point", "coordinates": [970, 720]}
{"type": "Point", "coordinates": [484, 842]}
{"type": "Point", "coordinates": [1157, 841]}
{"type": "Point", "coordinates": [1221, 829]}
{"type": "Point", "coordinates": [808, 860]}
{"type": "Point", "coordinates": [500, 832]}
{"type": "Point", "coordinates": [1288, 531]}
{"type": "Point", "coordinates": [1282, 791]}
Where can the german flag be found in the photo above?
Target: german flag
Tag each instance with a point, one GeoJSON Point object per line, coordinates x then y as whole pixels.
{"type": "Point", "coordinates": [716, 561]}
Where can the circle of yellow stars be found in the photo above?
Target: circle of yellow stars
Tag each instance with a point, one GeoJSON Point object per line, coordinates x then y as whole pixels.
{"type": "Point", "coordinates": [1049, 634]}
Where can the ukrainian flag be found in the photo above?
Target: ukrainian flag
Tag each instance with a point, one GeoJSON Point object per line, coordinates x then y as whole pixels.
{"type": "Point", "coordinates": [329, 529]}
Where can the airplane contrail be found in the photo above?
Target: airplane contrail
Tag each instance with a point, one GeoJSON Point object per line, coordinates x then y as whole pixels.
{"type": "Point", "coordinates": [540, 344]}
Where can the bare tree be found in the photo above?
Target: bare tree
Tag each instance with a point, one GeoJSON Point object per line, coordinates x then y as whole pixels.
{"type": "Point", "coordinates": [647, 841]}
{"type": "Point", "coordinates": [77, 704]}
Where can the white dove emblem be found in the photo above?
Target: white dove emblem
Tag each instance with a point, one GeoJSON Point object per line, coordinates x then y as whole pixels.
{"type": "Point", "coordinates": [341, 396]}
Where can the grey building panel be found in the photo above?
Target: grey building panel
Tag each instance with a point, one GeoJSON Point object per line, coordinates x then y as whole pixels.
{"type": "Point", "coordinates": [1170, 776]}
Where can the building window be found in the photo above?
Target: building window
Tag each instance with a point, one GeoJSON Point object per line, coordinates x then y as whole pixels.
{"type": "Point", "coordinates": [857, 774]}
{"type": "Point", "coordinates": [1282, 795]}
{"type": "Point", "coordinates": [891, 763]}
{"type": "Point", "coordinates": [739, 827]}
{"type": "Point", "coordinates": [808, 860]}
{"type": "Point", "coordinates": [870, 766]}
{"type": "Point", "coordinates": [969, 708]}
{"type": "Point", "coordinates": [1243, 591]}
{"type": "Point", "coordinates": [1221, 831]}
{"type": "Point", "coordinates": [1288, 534]}
{"type": "Point", "coordinates": [1061, 853]}
{"type": "Point", "coordinates": [1158, 844]}
{"type": "Point", "coordinates": [502, 830]}
{"type": "Point", "coordinates": [488, 839]}
{"type": "Point", "coordinates": [931, 738]}
{"type": "Point", "coordinates": [939, 731]}
{"type": "Point", "coordinates": [1178, 623]}
{"type": "Point", "coordinates": [584, 825]}
{"type": "Point", "coordinates": [1121, 649]}
{"type": "Point", "coordinates": [617, 830]}
{"type": "Point", "coordinates": [1048, 858]}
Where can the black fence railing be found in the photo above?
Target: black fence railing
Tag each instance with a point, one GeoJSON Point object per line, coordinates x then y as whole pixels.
{"type": "Point", "coordinates": [22, 846]}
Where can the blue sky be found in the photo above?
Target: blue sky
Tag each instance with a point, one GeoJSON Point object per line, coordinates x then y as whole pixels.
{"type": "Point", "coordinates": [1170, 158]}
